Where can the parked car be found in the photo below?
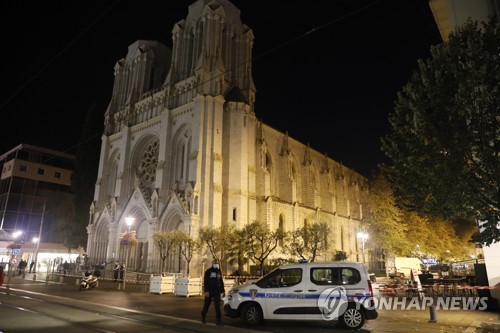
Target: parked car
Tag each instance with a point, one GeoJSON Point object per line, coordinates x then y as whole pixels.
{"type": "Point", "coordinates": [306, 291]}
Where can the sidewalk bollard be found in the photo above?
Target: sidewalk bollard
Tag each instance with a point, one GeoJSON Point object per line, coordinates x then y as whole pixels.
{"type": "Point", "coordinates": [77, 281]}
{"type": "Point", "coordinates": [433, 313]}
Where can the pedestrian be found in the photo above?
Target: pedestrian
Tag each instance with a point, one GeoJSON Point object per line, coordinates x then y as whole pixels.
{"type": "Point", "coordinates": [22, 266]}
{"type": "Point", "coordinates": [66, 267]}
{"type": "Point", "coordinates": [116, 271]}
{"type": "Point", "coordinates": [2, 275]}
{"type": "Point", "coordinates": [213, 286]}
{"type": "Point", "coordinates": [122, 270]}
{"type": "Point", "coordinates": [32, 265]}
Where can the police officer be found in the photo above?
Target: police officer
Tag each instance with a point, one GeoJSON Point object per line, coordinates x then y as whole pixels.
{"type": "Point", "coordinates": [213, 286]}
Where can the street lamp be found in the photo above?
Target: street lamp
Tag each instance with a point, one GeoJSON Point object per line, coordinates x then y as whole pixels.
{"type": "Point", "coordinates": [36, 241]}
{"type": "Point", "coordinates": [129, 221]}
{"type": "Point", "coordinates": [363, 236]}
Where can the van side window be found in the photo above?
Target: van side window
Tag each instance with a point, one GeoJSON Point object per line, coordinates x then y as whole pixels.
{"type": "Point", "coordinates": [350, 276]}
{"type": "Point", "coordinates": [325, 276]}
{"type": "Point", "coordinates": [280, 278]}
{"type": "Point", "coordinates": [335, 276]}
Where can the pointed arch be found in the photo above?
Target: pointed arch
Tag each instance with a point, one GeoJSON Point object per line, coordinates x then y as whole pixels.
{"type": "Point", "coordinates": [281, 227]}
{"type": "Point", "coordinates": [112, 176]}
{"type": "Point", "coordinates": [181, 148]}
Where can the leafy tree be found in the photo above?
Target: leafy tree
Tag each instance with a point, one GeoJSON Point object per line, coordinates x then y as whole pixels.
{"type": "Point", "coordinates": [437, 237]}
{"type": "Point", "coordinates": [166, 242]}
{"type": "Point", "coordinates": [217, 241]}
{"type": "Point", "coordinates": [263, 241]}
{"type": "Point", "coordinates": [402, 232]}
{"type": "Point", "coordinates": [444, 144]}
{"type": "Point", "coordinates": [340, 255]}
{"type": "Point", "coordinates": [238, 249]}
{"type": "Point", "coordinates": [387, 228]}
{"type": "Point", "coordinates": [188, 247]}
{"type": "Point", "coordinates": [309, 241]}
{"type": "Point", "coordinates": [128, 241]}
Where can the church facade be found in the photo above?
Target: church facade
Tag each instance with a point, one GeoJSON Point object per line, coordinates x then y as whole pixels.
{"type": "Point", "coordinates": [182, 149]}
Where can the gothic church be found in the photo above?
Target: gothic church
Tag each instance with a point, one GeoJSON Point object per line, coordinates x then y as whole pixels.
{"type": "Point", "coordinates": [183, 148]}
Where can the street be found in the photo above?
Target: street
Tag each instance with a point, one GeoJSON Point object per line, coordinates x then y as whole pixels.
{"type": "Point", "coordinates": [40, 306]}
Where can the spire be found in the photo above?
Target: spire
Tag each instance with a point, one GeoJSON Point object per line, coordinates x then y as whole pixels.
{"type": "Point", "coordinates": [212, 52]}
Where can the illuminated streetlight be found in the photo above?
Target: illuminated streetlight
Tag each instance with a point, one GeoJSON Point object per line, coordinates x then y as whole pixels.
{"type": "Point", "coordinates": [129, 221]}
{"type": "Point", "coordinates": [363, 236]}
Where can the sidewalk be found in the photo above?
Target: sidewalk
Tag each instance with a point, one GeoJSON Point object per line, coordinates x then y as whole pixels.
{"type": "Point", "coordinates": [137, 296]}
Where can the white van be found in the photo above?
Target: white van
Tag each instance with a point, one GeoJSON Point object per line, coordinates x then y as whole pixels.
{"type": "Point", "coordinates": [306, 291]}
{"type": "Point", "coordinates": [402, 266]}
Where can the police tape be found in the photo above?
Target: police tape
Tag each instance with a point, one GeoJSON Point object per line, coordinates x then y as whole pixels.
{"type": "Point", "coordinates": [436, 286]}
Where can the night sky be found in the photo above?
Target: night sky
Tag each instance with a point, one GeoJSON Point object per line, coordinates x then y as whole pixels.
{"type": "Point", "coordinates": [326, 72]}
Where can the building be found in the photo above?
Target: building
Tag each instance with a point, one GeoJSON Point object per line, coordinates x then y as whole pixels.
{"type": "Point", "coordinates": [449, 14]}
{"type": "Point", "coordinates": [182, 148]}
{"type": "Point", "coordinates": [48, 256]}
{"type": "Point", "coordinates": [32, 180]}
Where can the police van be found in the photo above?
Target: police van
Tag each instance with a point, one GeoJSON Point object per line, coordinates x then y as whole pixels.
{"type": "Point", "coordinates": [306, 291]}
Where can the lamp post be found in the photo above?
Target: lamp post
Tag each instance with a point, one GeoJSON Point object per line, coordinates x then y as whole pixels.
{"type": "Point", "coordinates": [363, 236]}
{"type": "Point", "coordinates": [129, 221]}
{"type": "Point", "coordinates": [38, 242]}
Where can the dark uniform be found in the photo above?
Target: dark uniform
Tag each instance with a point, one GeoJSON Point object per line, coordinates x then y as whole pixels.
{"type": "Point", "coordinates": [213, 286]}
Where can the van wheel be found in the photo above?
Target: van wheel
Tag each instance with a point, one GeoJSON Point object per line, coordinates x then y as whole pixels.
{"type": "Point", "coordinates": [353, 318]}
{"type": "Point", "coordinates": [251, 314]}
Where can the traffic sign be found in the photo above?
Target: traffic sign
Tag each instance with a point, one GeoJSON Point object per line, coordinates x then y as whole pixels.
{"type": "Point", "coordinates": [13, 261]}
{"type": "Point", "coordinates": [16, 252]}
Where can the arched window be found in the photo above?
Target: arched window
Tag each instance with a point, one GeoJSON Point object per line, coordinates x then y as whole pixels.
{"type": "Point", "coordinates": [281, 228]}
{"type": "Point", "coordinates": [112, 175]}
{"type": "Point", "coordinates": [182, 151]}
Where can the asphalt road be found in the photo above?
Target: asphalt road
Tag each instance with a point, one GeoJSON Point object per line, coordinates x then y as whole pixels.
{"type": "Point", "coordinates": [38, 306]}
